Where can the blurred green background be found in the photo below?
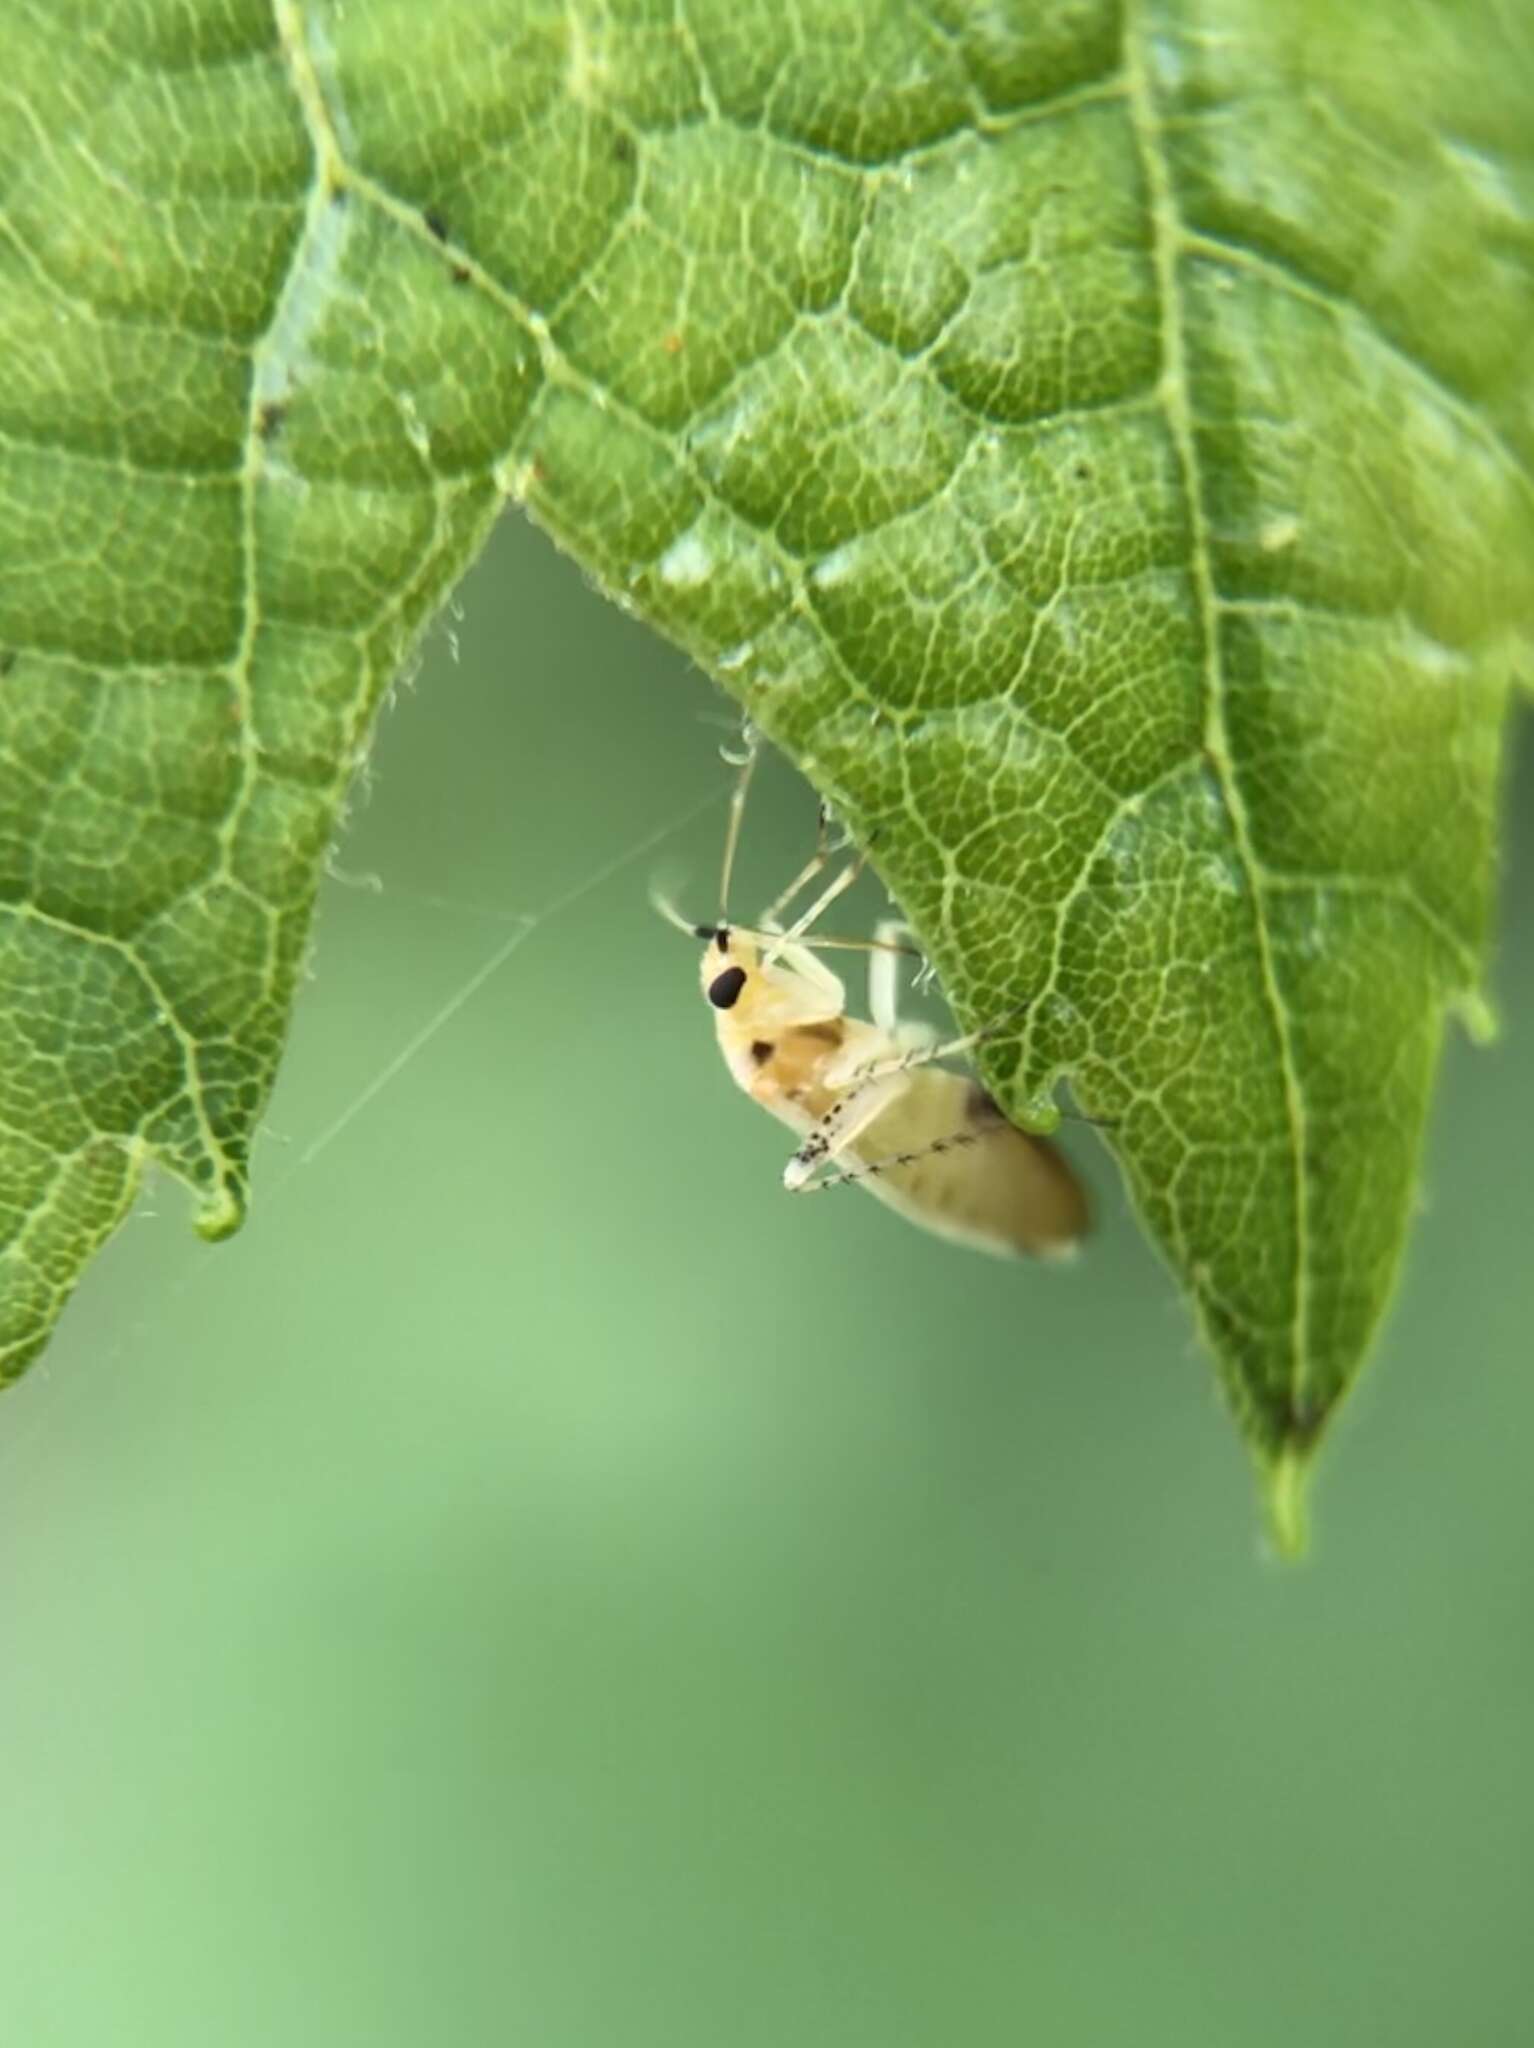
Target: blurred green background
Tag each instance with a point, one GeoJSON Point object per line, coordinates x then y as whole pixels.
{"type": "Point", "coordinates": [541, 1584]}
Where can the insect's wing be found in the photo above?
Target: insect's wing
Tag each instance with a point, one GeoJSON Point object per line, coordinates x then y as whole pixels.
{"type": "Point", "coordinates": [978, 1179]}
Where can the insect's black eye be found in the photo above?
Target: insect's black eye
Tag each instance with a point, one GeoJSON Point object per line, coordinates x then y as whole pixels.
{"type": "Point", "coordinates": [722, 938]}
{"type": "Point", "coordinates": [724, 989]}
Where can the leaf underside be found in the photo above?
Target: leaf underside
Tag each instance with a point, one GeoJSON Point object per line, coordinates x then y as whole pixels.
{"type": "Point", "coordinates": [1094, 440]}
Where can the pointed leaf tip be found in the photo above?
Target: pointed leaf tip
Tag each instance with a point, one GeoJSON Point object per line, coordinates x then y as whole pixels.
{"type": "Point", "coordinates": [1286, 1497]}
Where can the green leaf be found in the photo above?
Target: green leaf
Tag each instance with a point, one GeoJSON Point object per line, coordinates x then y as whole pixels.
{"type": "Point", "coordinates": [1094, 440]}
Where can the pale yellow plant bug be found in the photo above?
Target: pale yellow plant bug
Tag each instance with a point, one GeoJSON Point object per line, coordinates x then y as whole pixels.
{"type": "Point", "coordinates": [868, 1099]}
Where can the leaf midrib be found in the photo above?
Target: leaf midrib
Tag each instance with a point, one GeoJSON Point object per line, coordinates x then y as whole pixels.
{"type": "Point", "coordinates": [1167, 242]}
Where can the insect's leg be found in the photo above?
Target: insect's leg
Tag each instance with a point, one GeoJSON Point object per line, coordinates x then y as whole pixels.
{"type": "Point", "coordinates": [812, 867]}
{"type": "Point", "coordinates": [732, 829]}
{"type": "Point", "coordinates": [845, 1120]}
{"type": "Point", "coordinates": [884, 974]}
{"type": "Point", "coordinates": [919, 1055]}
{"type": "Point", "coordinates": [954, 1142]}
{"type": "Point", "coordinates": [891, 941]}
{"type": "Point", "coordinates": [837, 886]}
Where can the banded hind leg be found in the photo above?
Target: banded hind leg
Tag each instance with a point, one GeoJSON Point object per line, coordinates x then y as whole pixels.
{"type": "Point", "coordinates": [868, 1089]}
{"type": "Point", "coordinates": [974, 1118]}
{"type": "Point", "coordinates": [905, 1061]}
{"type": "Point", "coordinates": [842, 1125]}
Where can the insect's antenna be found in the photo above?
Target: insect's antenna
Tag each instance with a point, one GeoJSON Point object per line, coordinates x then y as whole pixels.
{"type": "Point", "coordinates": [732, 830]}
{"type": "Point", "coordinates": [672, 915]}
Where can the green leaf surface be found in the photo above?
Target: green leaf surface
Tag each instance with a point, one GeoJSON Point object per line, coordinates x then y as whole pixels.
{"type": "Point", "coordinates": [1095, 440]}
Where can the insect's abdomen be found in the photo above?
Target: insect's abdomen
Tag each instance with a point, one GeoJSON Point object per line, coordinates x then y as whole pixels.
{"type": "Point", "coordinates": [978, 1179]}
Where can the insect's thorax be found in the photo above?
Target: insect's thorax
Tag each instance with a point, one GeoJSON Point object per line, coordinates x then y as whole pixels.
{"type": "Point", "coordinates": [798, 1070]}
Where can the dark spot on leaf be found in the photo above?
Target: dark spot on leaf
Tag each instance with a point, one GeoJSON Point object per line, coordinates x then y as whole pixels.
{"type": "Point", "coordinates": [269, 419]}
{"type": "Point", "coordinates": [435, 224]}
{"type": "Point", "coordinates": [8, 660]}
{"type": "Point", "coordinates": [461, 273]}
{"type": "Point", "coordinates": [623, 149]}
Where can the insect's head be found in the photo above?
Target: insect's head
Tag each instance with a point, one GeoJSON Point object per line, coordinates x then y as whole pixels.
{"type": "Point", "coordinates": [730, 965]}
{"type": "Point", "coordinates": [756, 980]}
{"type": "Point", "coordinates": [759, 984]}
{"type": "Point", "coordinates": [729, 970]}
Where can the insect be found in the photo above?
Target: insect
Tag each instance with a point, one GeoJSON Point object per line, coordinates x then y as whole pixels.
{"type": "Point", "coordinates": [868, 1100]}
